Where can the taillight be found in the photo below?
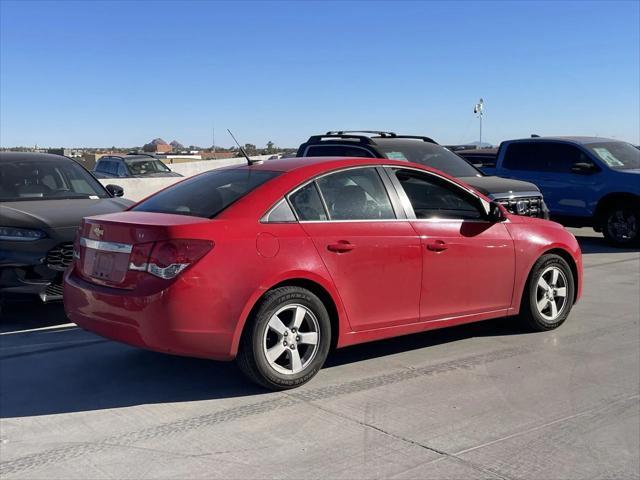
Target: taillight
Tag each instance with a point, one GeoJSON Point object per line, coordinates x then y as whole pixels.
{"type": "Point", "coordinates": [76, 247]}
{"type": "Point", "coordinates": [168, 258]}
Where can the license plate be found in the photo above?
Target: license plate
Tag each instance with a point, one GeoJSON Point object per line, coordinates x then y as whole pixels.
{"type": "Point", "coordinates": [103, 265]}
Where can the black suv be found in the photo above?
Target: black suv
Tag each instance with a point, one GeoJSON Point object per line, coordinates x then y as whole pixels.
{"type": "Point", "coordinates": [520, 198]}
{"type": "Point", "coordinates": [131, 166]}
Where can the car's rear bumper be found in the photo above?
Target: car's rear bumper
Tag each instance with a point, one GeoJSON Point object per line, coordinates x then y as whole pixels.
{"type": "Point", "coordinates": [158, 321]}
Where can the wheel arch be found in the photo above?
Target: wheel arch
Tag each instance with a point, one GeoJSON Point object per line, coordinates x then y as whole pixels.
{"type": "Point", "coordinates": [608, 200]}
{"type": "Point", "coordinates": [315, 285]}
{"type": "Point", "coordinates": [567, 257]}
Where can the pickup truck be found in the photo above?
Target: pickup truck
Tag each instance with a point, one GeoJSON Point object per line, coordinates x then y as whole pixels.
{"type": "Point", "coordinates": [586, 181]}
{"type": "Point", "coordinates": [518, 197]}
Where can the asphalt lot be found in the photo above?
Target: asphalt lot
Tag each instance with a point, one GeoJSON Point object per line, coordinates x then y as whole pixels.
{"type": "Point", "coordinates": [480, 401]}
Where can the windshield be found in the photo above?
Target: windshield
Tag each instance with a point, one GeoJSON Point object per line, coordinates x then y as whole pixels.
{"type": "Point", "coordinates": [207, 194]}
{"type": "Point", "coordinates": [618, 155]}
{"type": "Point", "coordinates": [427, 154]}
{"type": "Point", "coordinates": [46, 180]}
{"type": "Point", "coordinates": [145, 167]}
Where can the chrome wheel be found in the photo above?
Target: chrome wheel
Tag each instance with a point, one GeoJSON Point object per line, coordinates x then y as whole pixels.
{"type": "Point", "coordinates": [291, 339]}
{"type": "Point", "coordinates": [551, 293]}
{"type": "Point", "coordinates": [622, 225]}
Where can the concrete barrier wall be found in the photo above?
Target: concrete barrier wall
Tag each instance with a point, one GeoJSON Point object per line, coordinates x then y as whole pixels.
{"type": "Point", "coordinates": [138, 188]}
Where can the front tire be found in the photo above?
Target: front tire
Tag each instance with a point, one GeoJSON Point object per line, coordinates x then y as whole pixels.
{"type": "Point", "coordinates": [549, 292]}
{"type": "Point", "coordinates": [621, 224]}
{"type": "Point", "coordinates": [286, 342]}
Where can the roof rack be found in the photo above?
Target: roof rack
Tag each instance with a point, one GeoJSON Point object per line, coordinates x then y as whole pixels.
{"type": "Point", "coordinates": [352, 134]}
{"type": "Point", "coordinates": [376, 132]}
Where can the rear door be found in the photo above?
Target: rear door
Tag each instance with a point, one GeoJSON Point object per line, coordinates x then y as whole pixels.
{"type": "Point", "coordinates": [371, 252]}
{"type": "Point", "coordinates": [468, 261]}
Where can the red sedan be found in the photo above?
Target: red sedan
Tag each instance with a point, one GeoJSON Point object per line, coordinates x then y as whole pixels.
{"type": "Point", "coordinates": [275, 263]}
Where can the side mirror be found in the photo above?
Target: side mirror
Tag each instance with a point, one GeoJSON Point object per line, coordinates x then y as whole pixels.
{"type": "Point", "coordinates": [584, 168]}
{"type": "Point", "coordinates": [115, 190]}
{"type": "Point", "coordinates": [494, 212]}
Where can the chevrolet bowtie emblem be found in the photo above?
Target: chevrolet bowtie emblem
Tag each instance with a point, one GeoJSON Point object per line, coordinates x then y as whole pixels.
{"type": "Point", "coordinates": [97, 231]}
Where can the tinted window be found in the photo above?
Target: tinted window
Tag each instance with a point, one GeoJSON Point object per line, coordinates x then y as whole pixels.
{"type": "Point", "coordinates": [103, 166]}
{"type": "Point", "coordinates": [307, 203]}
{"type": "Point", "coordinates": [428, 154]}
{"type": "Point", "coordinates": [46, 179]}
{"type": "Point", "coordinates": [356, 194]}
{"type": "Point", "coordinates": [431, 197]}
{"type": "Point", "coordinates": [207, 194]}
{"type": "Point", "coordinates": [523, 156]}
{"type": "Point", "coordinates": [543, 157]}
{"type": "Point", "coordinates": [122, 170]}
{"type": "Point", "coordinates": [337, 151]}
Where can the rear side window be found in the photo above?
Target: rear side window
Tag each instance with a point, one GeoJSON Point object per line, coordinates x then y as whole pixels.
{"type": "Point", "coordinates": [356, 194]}
{"type": "Point", "coordinates": [337, 151]}
{"type": "Point", "coordinates": [307, 203]}
{"type": "Point", "coordinates": [205, 195]}
{"type": "Point", "coordinates": [524, 156]}
{"type": "Point", "coordinates": [543, 157]}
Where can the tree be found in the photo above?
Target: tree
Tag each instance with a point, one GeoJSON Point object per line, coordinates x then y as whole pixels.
{"type": "Point", "coordinates": [250, 149]}
{"type": "Point", "coordinates": [270, 146]}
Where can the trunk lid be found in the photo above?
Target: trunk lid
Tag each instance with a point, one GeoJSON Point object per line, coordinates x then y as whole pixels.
{"type": "Point", "coordinates": [113, 249]}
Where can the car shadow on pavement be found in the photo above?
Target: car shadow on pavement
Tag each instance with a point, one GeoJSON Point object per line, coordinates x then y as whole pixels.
{"type": "Point", "coordinates": [70, 370]}
{"type": "Point", "coordinates": [591, 244]}
{"type": "Point", "coordinates": [26, 315]}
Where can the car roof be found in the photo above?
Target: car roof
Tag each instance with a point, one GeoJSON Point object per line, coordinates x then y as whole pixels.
{"type": "Point", "coordinates": [569, 139]}
{"type": "Point", "coordinates": [30, 157]}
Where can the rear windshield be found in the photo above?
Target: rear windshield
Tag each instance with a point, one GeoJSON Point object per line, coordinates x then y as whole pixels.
{"type": "Point", "coordinates": [205, 195]}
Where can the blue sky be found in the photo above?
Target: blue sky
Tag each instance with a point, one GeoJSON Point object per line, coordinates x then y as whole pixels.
{"type": "Point", "coordinates": [121, 73]}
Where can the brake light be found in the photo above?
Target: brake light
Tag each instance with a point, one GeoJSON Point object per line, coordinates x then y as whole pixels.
{"type": "Point", "coordinates": [167, 259]}
{"type": "Point", "coordinates": [76, 247]}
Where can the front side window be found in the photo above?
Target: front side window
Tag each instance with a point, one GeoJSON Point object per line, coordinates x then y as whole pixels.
{"type": "Point", "coordinates": [434, 198]}
{"type": "Point", "coordinates": [356, 194]}
{"type": "Point", "coordinates": [618, 155]}
{"type": "Point", "coordinates": [207, 194]}
{"type": "Point", "coordinates": [146, 167]}
{"type": "Point", "coordinates": [122, 170]}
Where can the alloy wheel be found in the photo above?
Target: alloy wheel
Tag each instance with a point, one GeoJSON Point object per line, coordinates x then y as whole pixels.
{"type": "Point", "coordinates": [551, 293]}
{"type": "Point", "coordinates": [290, 341]}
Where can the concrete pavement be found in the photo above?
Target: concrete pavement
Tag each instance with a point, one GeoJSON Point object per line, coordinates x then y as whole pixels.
{"type": "Point", "coordinates": [479, 401]}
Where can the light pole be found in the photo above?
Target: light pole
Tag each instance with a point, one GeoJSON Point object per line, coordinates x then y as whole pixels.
{"type": "Point", "coordinates": [479, 110]}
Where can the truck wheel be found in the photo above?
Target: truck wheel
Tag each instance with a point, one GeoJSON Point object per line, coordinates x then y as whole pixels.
{"type": "Point", "coordinates": [287, 340]}
{"type": "Point", "coordinates": [621, 225]}
{"type": "Point", "coordinates": [548, 295]}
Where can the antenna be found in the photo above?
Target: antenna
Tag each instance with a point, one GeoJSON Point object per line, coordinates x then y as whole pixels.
{"type": "Point", "coordinates": [249, 161]}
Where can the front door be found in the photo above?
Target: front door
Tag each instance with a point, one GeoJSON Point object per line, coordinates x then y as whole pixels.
{"type": "Point", "coordinates": [468, 261]}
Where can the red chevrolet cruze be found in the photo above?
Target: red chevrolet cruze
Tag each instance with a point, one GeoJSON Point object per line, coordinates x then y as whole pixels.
{"type": "Point", "coordinates": [275, 263]}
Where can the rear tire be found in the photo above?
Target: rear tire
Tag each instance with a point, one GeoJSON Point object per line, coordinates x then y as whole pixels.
{"type": "Point", "coordinates": [548, 295]}
{"type": "Point", "coordinates": [621, 224]}
{"type": "Point", "coordinates": [287, 341]}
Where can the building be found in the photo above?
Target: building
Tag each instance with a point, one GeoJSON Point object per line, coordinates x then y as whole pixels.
{"type": "Point", "coordinates": [157, 145]}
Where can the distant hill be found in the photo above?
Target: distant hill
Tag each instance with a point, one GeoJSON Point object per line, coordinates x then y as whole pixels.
{"type": "Point", "coordinates": [176, 145]}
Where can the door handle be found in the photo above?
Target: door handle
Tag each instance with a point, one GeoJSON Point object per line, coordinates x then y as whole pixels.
{"type": "Point", "coordinates": [341, 246]}
{"type": "Point", "coordinates": [437, 246]}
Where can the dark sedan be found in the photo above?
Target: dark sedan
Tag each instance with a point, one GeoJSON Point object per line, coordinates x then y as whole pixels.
{"type": "Point", "coordinates": [43, 198]}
